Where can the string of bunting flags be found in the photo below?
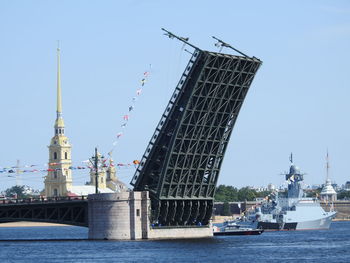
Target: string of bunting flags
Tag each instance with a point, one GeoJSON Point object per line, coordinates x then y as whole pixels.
{"type": "Point", "coordinates": [24, 169]}
{"type": "Point", "coordinates": [33, 168]}
{"type": "Point", "coordinates": [131, 107]}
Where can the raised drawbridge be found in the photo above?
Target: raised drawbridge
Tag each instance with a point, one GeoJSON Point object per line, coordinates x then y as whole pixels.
{"type": "Point", "coordinates": [181, 164]}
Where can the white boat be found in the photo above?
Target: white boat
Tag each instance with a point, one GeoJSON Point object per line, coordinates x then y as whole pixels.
{"type": "Point", "coordinates": [230, 228]}
{"type": "Point", "coordinates": [293, 212]}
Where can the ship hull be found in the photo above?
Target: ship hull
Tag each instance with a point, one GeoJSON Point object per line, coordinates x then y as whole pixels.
{"type": "Point", "coordinates": [276, 226]}
{"type": "Point", "coordinates": [322, 223]}
{"type": "Point", "coordinates": [239, 232]}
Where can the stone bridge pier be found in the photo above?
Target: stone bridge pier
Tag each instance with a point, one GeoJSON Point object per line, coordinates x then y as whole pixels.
{"type": "Point", "coordinates": [125, 216]}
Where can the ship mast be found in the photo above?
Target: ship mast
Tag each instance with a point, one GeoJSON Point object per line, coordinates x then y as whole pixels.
{"type": "Point", "coordinates": [327, 166]}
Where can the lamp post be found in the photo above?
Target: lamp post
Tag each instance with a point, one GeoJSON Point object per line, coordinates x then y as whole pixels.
{"type": "Point", "coordinates": [96, 171]}
{"type": "Point", "coordinates": [96, 162]}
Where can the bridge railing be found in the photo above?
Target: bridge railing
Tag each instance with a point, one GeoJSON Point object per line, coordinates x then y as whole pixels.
{"type": "Point", "coordinates": [43, 199]}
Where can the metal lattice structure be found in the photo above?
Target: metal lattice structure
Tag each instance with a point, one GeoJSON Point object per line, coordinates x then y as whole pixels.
{"type": "Point", "coordinates": [71, 212]}
{"type": "Point", "coordinates": [181, 165]}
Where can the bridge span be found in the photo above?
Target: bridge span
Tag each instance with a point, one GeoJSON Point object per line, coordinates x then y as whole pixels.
{"type": "Point", "coordinates": [118, 216]}
{"type": "Point", "coordinates": [60, 210]}
{"type": "Point", "coordinates": [175, 182]}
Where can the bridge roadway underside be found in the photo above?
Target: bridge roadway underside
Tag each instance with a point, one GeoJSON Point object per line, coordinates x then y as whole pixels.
{"type": "Point", "coordinates": [61, 212]}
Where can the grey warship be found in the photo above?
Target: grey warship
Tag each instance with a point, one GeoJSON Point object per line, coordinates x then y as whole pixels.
{"type": "Point", "coordinates": [291, 212]}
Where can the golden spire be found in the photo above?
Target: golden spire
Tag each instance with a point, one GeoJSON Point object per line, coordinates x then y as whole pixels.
{"type": "Point", "coordinates": [59, 120]}
{"type": "Point", "coordinates": [59, 100]}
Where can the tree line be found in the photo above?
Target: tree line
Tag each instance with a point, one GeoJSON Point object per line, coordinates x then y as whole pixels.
{"type": "Point", "coordinates": [227, 193]}
{"type": "Point", "coordinates": [224, 193]}
{"type": "Point", "coordinates": [17, 191]}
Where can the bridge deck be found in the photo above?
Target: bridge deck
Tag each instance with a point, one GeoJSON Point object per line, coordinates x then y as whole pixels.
{"type": "Point", "coordinates": [71, 211]}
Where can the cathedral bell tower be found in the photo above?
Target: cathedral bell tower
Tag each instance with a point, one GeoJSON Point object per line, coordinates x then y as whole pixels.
{"type": "Point", "coordinates": [58, 181]}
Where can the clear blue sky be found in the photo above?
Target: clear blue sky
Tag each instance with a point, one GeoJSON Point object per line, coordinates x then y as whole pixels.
{"type": "Point", "coordinates": [299, 100]}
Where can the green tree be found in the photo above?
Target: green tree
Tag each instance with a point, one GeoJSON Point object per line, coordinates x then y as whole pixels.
{"type": "Point", "coordinates": [246, 193]}
{"type": "Point", "coordinates": [16, 191]}
{"type": "Point", "coordinates": [344, 195]}
{"type": "Point", "coordinates": [226, 194]}
{"type": "Point", "coordinates": [262, 194]}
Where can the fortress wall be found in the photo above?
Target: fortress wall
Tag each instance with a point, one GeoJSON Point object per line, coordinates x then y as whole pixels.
{"type": "Point", "coordinates": [342, 207]}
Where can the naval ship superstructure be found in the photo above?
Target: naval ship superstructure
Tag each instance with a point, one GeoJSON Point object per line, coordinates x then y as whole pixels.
{"type": "Point", "coordinates": [291, 212]}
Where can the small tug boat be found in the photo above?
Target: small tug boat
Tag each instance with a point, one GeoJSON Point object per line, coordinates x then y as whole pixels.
{"type": "Point", "coordinates": [230, 228]}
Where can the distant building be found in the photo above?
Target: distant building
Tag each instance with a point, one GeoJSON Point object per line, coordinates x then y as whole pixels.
{"type": "Point", "coordinates": [107, 179]}
{"type": "Point", "coordinates": [271, 187]}
{"type": "Point", "coordinates": [58, 181]}
{"type": "Point", "coordinates": [328, 193]}
{"type": "Point", "coordinates": [347, 186]}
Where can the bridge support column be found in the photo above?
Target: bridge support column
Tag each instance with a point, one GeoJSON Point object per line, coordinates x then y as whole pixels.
{"type": "Point", "coordinates": [115, 216]}
{"type": "Point", "coordinates": [125, 216]}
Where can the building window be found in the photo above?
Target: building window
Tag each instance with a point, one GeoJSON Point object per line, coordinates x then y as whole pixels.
{"type": "Point", "coordinates": [137, 212]}
{"type": "Point", "coordinates": [65, 155]}
{"type": "Point", "coordinates": [55, 155]}
{"type": "Point", "coordinates": [55, 192]}
{"type": "Point", "coordinates": [101, 179]}
{"type": "Point", "coordinates": [55, 174]}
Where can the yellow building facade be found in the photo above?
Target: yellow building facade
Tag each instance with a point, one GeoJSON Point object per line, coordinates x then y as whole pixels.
{"type": "Point", "coordinates": [107, 178]}
{"type": "Point", "coordinates": [58, 181]}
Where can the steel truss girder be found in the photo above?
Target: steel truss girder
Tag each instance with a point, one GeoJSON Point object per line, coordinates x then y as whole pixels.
{"type": "Point", "coordinates": [71, 213]}
{"type": "Point", "coordinates": [183, 212]}
{"type": "Point", "coordinates": [182, 162]}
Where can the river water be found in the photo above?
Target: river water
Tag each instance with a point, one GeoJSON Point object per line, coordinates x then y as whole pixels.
{"type": "Point", "coordinates": [71, 246]}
